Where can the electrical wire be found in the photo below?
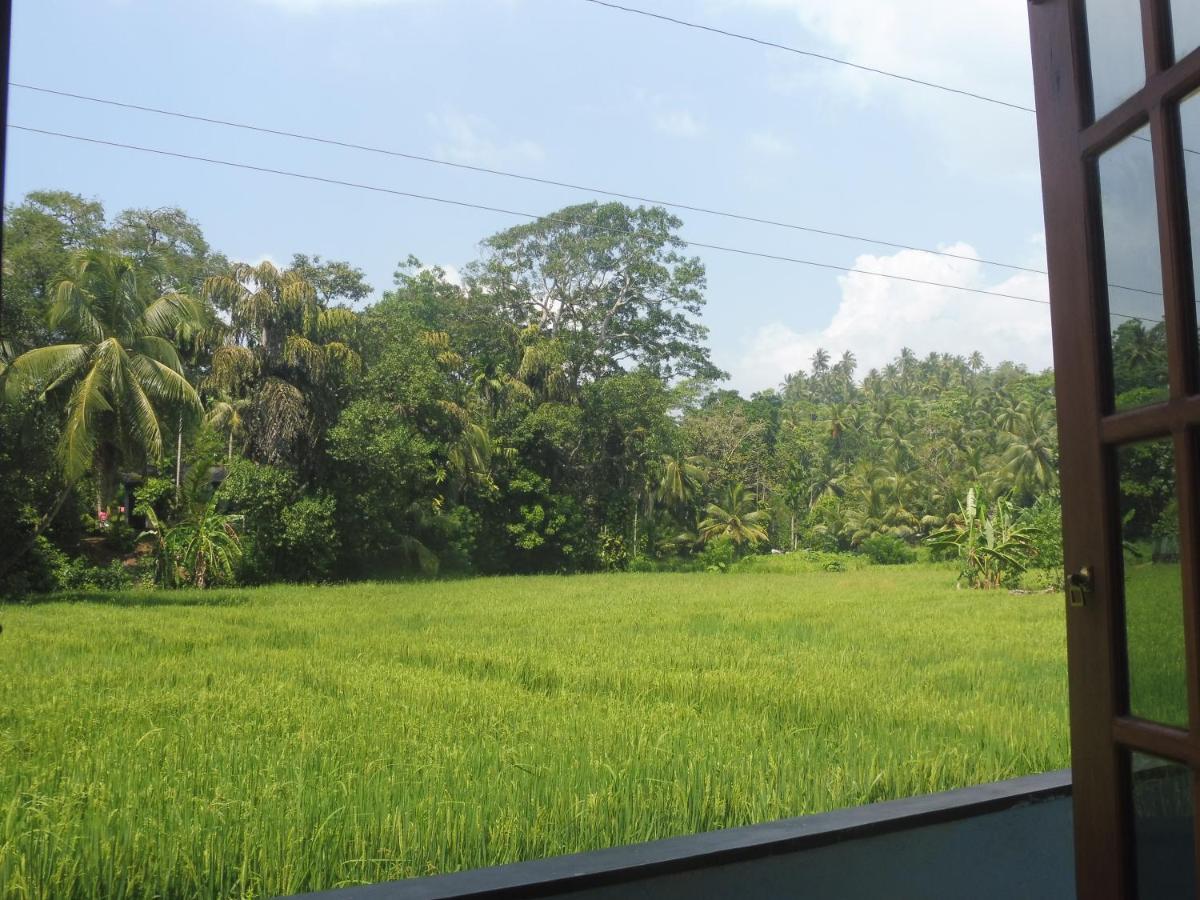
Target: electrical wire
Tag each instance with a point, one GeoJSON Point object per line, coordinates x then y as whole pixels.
{"type": "Point", "coordinates": [689, 207]}
{"type": "Point", "coordinates": [546, 181]}
{"type": "Point", "coordinates": [810, 53]}
{"type": "Point", "coordinates": [741, 251]}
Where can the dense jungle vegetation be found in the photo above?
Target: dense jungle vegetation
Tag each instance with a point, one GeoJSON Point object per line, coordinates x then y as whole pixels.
{"type": "Point", "coordinates": [174, 416]}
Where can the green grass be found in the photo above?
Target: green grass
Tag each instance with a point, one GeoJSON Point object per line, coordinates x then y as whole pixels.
{"type": "Point", "coordinates": [1157, 652]}
{"type": "Point", "coordinates": [293, 739]}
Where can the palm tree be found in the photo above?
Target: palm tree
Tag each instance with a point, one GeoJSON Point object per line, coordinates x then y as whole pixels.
{"type": "Point", "coordinates": [123, 368]}
{"type": "Point", "coordinates": [227, 414]}
{"type": "Point", "coordinates": [285, 350]}
{"type": "Point", "coordinates": [735, 518]}
{"type": "Point", "coordinates": [203, 547]}
{"type": "Point", "coordinates": [1030, 459]}
{"type": "Point", "coordinates": [680, 479]}
{"type": "Point", "coordinates": [820, 361]}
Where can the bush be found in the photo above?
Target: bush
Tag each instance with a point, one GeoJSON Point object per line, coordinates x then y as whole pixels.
{"type": "Point", "coordinates": [1044, 520]}
{"type": "Point", "coordinates": [888, 550]}
{"type": "Point", "coordinates": [79, 575]}
{"type": "Point", "coordinates": [287, 535]}
{"type": "Point", "coordinates": [36, 572]}
{"type": "Point", "coordinates": [310, 538]}
{"type": "Point", "coordinates": [717, 556]}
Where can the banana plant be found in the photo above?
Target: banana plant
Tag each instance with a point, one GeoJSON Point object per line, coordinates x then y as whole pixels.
{"type": "Point", "coordinates": [991, 544]}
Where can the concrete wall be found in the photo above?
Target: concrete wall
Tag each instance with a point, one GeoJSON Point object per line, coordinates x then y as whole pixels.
{"type": "Point", "coordinates": [1024, 852]}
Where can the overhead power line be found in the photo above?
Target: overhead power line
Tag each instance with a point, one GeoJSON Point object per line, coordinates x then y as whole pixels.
{"type": "Point", "coordinates": [812, 54]}
{"type": "Point", "coordinates": [762, 42]}
{"type": "Point", "coordinates": [741, 251]}
{"type": "Point", "coordinates": [336, 142]}
{"type": "Point", "coordinates": [689, 207]}
{"type": "Point", "coordinates": [498, 209]}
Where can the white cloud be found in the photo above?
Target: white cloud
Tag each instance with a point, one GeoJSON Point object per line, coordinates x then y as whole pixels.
{"type": "Point", "coordinates": [879, 316]}
{"type": "Point", "coordinates": [984, 48]}
{"type": "Point", "coordinates": [451, 274]}
{"type": "Point", "coordinates": [679, 123]}
{"type": "Point", "coordinates": [767, 143]}
{"type": "Point", "coordinates": [469, 139]}
{"type": "Point", "coordinates": [980, 46]}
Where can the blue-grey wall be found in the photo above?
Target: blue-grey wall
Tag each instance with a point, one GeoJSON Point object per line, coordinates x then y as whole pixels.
{"type": "Point", "coordinates": [1011, 839]}
{"type": "Point", "coordinates": [1018, 853]}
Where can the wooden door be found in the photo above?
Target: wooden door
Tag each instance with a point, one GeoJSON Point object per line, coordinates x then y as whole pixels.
{"type": "Point", "coordinates": [1118, 97]}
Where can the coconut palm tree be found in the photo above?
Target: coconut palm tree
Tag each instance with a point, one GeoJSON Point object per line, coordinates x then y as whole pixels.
{"type": "Point", "coordinates": [1031, 458]}
{"type": "Point", "coordinates": [735, 517]}
{"type": "Point", "coordinates": [122, 367]}
{"type": "Point", "coordinates": [680, 479]}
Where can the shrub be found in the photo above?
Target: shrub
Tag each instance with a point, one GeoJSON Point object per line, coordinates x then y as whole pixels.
{"type": "Point", "coordinates": [888, 550]}
{"type": "Point", "coordinates": [37, 572]}
{"type": "Point", "coordinates": [287, 535]}
{"type": "Point", "coordinates": [1044, 520]}
{"type": "Point", "coordinates": [718, 555]}
{"type": "Point", "coordinates": [310, 538]}
{"type": "Point", "coordinates": [79, 575]}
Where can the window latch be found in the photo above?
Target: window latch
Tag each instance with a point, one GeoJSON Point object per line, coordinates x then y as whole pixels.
{"type": "Point", "coordinates": [1079, 587]}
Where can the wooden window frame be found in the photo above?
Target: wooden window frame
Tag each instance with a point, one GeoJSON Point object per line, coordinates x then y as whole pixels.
{"type": "Point", "coordinates": [1102, 732]}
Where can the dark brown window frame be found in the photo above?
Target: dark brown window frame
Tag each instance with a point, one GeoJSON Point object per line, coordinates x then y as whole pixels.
{"type": "Point", "coordinates": [1102, 732]}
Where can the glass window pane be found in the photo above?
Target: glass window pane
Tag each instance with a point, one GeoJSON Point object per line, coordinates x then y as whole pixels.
{"type": "Point", "coordinates": [1134, 272]}
{"type": "Point", "coordinates": [1162, 829]}
{"type": "Point", "coordinates": [1185, 18]}
{"type": "Point", "coordinates": [1153, 583]}
{"type": "Point", "coordinates": [1115, 44]}
{"type": "Point", "coordinates": [1189, 114]}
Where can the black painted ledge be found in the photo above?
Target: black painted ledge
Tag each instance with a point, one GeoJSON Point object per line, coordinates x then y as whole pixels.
{"type": "Point", "coordinates": [636, 862]}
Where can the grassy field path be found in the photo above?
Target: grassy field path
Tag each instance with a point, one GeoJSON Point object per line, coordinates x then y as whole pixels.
{"type": "Point", "coordinates": [303, 738]}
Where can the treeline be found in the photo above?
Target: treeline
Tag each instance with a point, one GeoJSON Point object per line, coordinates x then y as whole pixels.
{"type": "Point", "coordinates": [558, 411]}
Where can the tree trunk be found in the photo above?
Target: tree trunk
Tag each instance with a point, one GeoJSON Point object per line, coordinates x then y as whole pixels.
{"type": "Point", "coordinates": [229, 456]}
{"type": "Point", "coordinates": [635, 524]}
{"type": "Point", "coordinates": [793, 532]}
{"type": "Point", "coordinates": [178, 455]}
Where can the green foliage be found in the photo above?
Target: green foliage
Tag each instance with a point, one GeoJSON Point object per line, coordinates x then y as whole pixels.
{"type": "Point", "coordinates": [1044, 521]}
{"type": "Point", "coordinates": [79, 575]}
{"type": "Point", "coordinates": [260, 494]}
{"type": "Point", "coordinates": [201, 547]}
{"type": "Point", "coordinates": [887, 550]}
{"type": "Point", "coordinates": [718, 555]}
{"type": "Point", "coordinates": [557, 411]}
{"type": "Point", "coordinates": [735, 519]}
{"type": "Point", "coordinates": [310, 536]}
{"type": "Point", "coordinates": [121, 373]}
{"type": "Point", "coordinates": [992, 545]}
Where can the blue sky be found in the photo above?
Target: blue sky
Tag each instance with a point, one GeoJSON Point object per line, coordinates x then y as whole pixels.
{"type": "Point", "coordinates": [568, 90]}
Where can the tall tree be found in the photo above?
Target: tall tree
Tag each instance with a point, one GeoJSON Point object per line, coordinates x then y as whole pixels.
{"type": "Point", "coordinates": [122, 367]}
{"type": "Point", "coordinates": [606, 282]}
{"type": "Point", "coordinates": [287, 352]}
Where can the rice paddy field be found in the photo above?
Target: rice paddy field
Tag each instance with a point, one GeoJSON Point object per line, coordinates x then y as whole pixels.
{"type": "Point", "coordinates": [254, 743]}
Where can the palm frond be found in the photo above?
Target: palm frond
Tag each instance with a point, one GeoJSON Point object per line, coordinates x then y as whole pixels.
{"type": "Point", "coordinates": [160, 349]}
{"type": "Point", "coordinates": [73, 306]}
{"type": "Point", "coordinates": [169, 312]}
{"type": "Point", "coordinates": [164, 384]}
{"type": "Point", "coordinates": [44, 368]}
